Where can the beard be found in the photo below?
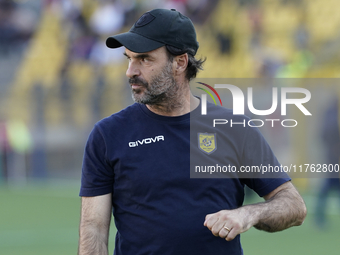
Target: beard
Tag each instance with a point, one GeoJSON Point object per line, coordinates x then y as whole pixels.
{"type": "Point", "coordinates": [161, 89]}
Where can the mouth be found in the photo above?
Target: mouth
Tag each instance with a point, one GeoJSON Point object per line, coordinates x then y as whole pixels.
{"type": "Point", "coordinates": [135, 86]}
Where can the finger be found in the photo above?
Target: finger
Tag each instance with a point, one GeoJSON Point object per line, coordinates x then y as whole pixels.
{"type": "Point", "coordinates": [207, 218]}
{"type": "Point", "coordinates": [232, 234]}
{"type": "Point", "coordinates": [211, 221]}
{"type": "Point", "coordinates": [224, 232]}
{"type": "Point", "coordinates": [218, 227]}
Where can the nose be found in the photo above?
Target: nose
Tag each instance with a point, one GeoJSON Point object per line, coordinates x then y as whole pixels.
{"type": "Point", "coordinates": [132, 70]}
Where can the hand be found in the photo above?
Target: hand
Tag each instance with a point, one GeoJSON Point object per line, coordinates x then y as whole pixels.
{"type": "Point", "coordinates": [228, 223]}
{"type": "Point", "coordinates": [283, 208]}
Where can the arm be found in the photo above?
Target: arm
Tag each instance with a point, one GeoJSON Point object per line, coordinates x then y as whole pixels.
{"type": "Point", "coordinates": [283, 208]}
{"type": "Point", "coordinates": [94, 225]}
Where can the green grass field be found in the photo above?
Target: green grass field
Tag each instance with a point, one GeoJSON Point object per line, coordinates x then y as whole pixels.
{"type": "Point", "coordinates": [43, 219]}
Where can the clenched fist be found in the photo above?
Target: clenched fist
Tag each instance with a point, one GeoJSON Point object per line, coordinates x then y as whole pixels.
{"type": "Point", "coordinates": [228, 224]}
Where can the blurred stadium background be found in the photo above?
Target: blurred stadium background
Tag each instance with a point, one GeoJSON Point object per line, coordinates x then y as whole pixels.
{"type": "Point", "coordinates": [57, 78]}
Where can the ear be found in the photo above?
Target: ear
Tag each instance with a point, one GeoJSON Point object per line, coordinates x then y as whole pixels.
{"type": "Point", "coordinates": [181, 63]}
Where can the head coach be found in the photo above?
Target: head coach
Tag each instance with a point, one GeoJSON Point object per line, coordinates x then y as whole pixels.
{"type": "Point", "coordinates": [136, 162]}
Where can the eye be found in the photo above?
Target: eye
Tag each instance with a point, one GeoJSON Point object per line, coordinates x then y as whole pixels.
{"type": "Point", "coordinates": [127, 57]}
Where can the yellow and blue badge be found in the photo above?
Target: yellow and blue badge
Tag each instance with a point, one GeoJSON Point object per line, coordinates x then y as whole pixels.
{"type": "Point", "coordinates": [207, 142]}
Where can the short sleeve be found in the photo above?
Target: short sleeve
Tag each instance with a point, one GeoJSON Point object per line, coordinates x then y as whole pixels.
{"type": "Point", "coordinates": [257, 154]}
{"type": "Point", "coordinates": [97, 173]}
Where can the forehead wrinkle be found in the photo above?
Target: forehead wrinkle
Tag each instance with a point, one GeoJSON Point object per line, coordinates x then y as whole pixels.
{"type": "Point", "coordinates": [149, 54]}
{"type": "Point", "coordinates": [138, 55]}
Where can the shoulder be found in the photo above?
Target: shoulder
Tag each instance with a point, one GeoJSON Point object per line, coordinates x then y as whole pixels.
{"type": "Point", "coordinates": [237, 128]}
{"type": "Point", "coordinates": [223, 112]}
{"type": "Point", "coordinates": [223, 119]}
{"type": "Point", "coordinates": [115, 125]}
{"type": "Point", "coordinates": [121, 118]}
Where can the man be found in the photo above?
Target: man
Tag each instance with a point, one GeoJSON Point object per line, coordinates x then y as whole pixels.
{"type": "Point", "coordinates": [137, 161]}
{"type": "Point", "coordinates": [331, 137]}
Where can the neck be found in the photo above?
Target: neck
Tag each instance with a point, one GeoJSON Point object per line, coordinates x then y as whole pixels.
{"type": "Point", "coordinates": [183, 103]}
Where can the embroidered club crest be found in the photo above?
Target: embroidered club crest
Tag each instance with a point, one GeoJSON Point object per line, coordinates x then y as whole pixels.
{"type": "Point", "coordinates": [145, 19]}
{"type": "Point", "coordinates": [207, 142]}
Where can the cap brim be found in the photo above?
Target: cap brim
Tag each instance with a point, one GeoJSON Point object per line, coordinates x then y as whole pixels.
{"type": "Point", "coordinates": [133, 42]}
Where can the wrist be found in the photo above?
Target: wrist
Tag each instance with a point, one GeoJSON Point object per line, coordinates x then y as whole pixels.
{"type": "Point", "coordinates": [251, 214]}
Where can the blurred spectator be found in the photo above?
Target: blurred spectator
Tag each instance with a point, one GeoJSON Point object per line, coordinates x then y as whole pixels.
{"type": "Point", "coordinates": [17, 24]}
{"type": "Point", "coordinates": [301, 37]}
{"type": "Point", "coordinates": [7, 30]}
{"type": "Point", "coordinates": [102, 55]}
{"type": "Point", "coordinates": [298, 66]}
{"type": "Point", "coordinates": [199, 10]}
{"type": "Point", "coordinates": [179, 5]}
{"type": "Point", "coordinates": [225, 41]}
{"type": "Point", "coordinates": [66, 95]}
{"type": "Point", "coordinates": [255, 18]}
{"type": "Point", "coordinates": [82, 40]}
{"type": "Point", "coordinates": [331, 138]}
{"type": "Point", "coordinates": [4, 149]}
{"type": "Point", "coordinates": [20, 142]}
{"type": "Point", "coordinates": [39, 153]}
{"type": "Point", "coordinates": [97, 95]}
{"type": "Point", "coordinates": [76, 28]}
{"type": "Point", "coordinates": [108, 18]}
{"type": "Point", "coordinates": [268, 60]}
